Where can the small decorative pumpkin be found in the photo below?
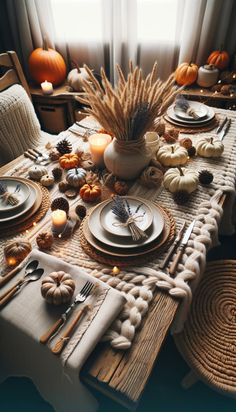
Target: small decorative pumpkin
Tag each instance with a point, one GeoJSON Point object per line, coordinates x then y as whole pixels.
{"type": "Point", "coordinates": [186, 74]}
{"type": "Point", "coordinates": [16, 251]}
{"type": "Point", "coordinates": [44, 240]}
{"type": "Point", "coordinates": [76, 77]}
{"type": "Point", "coordinates": [54, 155]}
{"type": "Point", "coordinates": [176, 179]}
{"type": "Point", "coordinates": [36, 172]}
{"type": "Point", "coordinates": [47, 180]}
{"type": "Point", "coordinates": [47, 64]}
{"type": "Point", "coordinates": [209, 147]}
{"type": "Point", "coordinates": [186, 142]}
{"type": "Point", "coordinates": [173, 155]}
{"type": "Point", "coordinates": [58, 288]}
{"type": "Point", "coordinates": [219, 58]}
{"type": "Point", "coordinates": [76, 177]}
{"type": "Point", "coordinates": [69, 161]}
{"type": "Point", "coordinates": [90, 193]}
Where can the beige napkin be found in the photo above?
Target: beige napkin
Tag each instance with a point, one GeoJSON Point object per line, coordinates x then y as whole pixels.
{"type": "Point", "coordinates": [28, 316]}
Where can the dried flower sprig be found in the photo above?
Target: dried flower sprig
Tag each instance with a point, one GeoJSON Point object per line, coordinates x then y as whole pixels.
{"type": "Point", "coordinates": [128, 110]}
{"type": "Point", "coordinates": [7, 197]}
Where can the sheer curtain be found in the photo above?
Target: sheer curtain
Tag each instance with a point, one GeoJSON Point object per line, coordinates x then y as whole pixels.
{"type": "Point", "coordinates": [106, 32]}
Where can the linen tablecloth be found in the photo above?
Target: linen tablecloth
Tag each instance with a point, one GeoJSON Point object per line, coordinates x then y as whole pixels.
{"type": "Point", "coordinates": [27, 316]}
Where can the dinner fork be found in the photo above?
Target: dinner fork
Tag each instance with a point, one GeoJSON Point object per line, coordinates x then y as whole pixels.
{"type": "Point", "coordinates": [80, 297]}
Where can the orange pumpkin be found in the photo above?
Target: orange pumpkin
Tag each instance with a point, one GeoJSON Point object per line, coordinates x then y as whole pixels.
{"type": "Point", "coordinates": [186, 73]}
{"type": "Point", "coordinates": [219, 58]}
{"type": "Point", "coordinates": [69, 161]}
{"type": "Point", "coordinates": [186, 142]}
{"type": "Point", "coordinates": [90, 193]}
{"type": "Point", "coordinates": [47, 64]}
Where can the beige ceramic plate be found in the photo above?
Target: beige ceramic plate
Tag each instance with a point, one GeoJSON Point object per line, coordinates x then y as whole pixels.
{"type": "Point", "coordinates": [130, 252]}
{"type": "Point", "coordinates": [197, 122]}
{"type": "Point", "coordinates": [22, 195]}
{"type": "Point", "coordinates": [111, 223]}
{"type": "Point", "coordinates": [199, 108]}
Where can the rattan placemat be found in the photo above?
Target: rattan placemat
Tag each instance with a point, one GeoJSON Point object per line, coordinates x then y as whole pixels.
{"type": "Point", "coordinates": [21, 227]}
{"type": "Point", "coordinates": [161, 244]}
{"type": "Point", "coordinates": [210, 126]}
{"type": "Point", "coordinates": [208, 341]}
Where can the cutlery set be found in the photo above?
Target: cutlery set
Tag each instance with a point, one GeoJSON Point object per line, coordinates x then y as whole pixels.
{"type": "Point", "coordinates": [37, 156]}
{"type": "Point", "coordinates": [223, 128]}
{"type": "Point", "coordinates": [33, 273]}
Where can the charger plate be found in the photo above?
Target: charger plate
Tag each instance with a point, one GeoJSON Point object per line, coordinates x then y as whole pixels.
{"type": "Point", "coordinates": [113, 256]}
{"type": "Point", "coordinates": [171, 113]}
{"type": "Point", "coordinates": [10, 216]}
{"type": "Point", "coordinates": [22, 195]}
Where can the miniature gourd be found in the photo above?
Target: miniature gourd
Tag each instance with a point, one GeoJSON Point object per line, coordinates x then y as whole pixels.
{"type": "Point", "coordinates": [58, 288]}
{"type": "Point", "coordinates": [76, 77]}
{"type": "Point", "coordinates": [47, 180]}
{"type": "Point", "coordinates": [172, 155]}
{"type": "Point", "coordinates": [36, 172]}
{"type": "Point", "coordinates": [44, 240]}
{"type": "Point", "coordinates": [76, 177]}
{"type": "Point", "coordinates": [69, 161]}
{"type": "Point", "coordinates": [209, 147]}
{"type": "Point", "coordinates": [186, 74]}
{"type": "Point", "coordinates": [176, 179]}
{"type": "Point", "coordinates": [90, 193]}
{"type": "Point", "coordinates": [16, 251]}
{"type": "Point", "coordinates": [186, 142]}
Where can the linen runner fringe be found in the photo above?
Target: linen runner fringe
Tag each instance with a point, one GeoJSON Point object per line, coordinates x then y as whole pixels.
{"type": "Point", "coordinates": [139, 283]}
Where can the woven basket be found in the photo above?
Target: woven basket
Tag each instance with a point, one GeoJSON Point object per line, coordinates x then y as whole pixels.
{"type": "Point", "coordinates": [208, 341]}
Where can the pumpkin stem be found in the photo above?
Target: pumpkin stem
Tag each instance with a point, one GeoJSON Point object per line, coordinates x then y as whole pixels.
{"type": "Point", "coordinates": [45, 43]}
{"type": "Point", "coordinates": [211, 140]}
{"type": "Point", "coordinates": [180, 171]}
{"type": "Point", "coordinates": [172, 149]}
{"type": "Point", "coordinates": [76, 65]}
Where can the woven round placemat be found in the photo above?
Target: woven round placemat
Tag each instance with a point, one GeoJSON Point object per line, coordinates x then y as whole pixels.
{"type": "Point", "coordinates": [208, 341]}
{"type": "Point", "coordinates": [162, 244]}
{"type": "Point", "coordinates": [21, 227]}
{"type": "Point", "coordinates": [210, 126]}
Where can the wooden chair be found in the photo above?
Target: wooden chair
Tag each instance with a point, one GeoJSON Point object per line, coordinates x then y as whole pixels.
{"type": "Point", "coordinates": [14, 73]}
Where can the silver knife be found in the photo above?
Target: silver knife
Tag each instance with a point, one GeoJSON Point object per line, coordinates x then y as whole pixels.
{"type": "Point", "coordinates": [181, 248]}
{"type": "Point", "coordinates": [173, 247]}
{"type": "Point", "coordinates": [220, 127]}
{"type": "Point", "coordinates": [225, 130]}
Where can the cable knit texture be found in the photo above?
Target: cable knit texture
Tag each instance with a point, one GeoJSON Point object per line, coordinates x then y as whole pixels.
{"type": "Point", "coordinates": [138, 284]}
{"type": "Point", "coordinates": [20, 128]}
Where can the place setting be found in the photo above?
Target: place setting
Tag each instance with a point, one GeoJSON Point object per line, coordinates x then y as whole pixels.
{"type": "Point", "coordinates": [124, 229]}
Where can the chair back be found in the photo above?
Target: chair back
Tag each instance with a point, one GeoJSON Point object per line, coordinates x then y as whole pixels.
{"type": "Point", "coordinates": [14, 73]}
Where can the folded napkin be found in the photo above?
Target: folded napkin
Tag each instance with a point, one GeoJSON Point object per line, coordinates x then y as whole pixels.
{"type": "Point", "coordinates": [27, 316]}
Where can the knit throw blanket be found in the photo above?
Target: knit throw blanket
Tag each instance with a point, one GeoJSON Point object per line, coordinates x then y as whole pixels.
{"type": "Point", "coordinates": [138, 284]}
{"type": "Point", "coordinates": [20, 128]}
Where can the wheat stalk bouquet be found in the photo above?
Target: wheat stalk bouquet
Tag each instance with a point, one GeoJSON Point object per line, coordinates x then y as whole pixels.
{"type": "Point", "coordinates": [130, 109]}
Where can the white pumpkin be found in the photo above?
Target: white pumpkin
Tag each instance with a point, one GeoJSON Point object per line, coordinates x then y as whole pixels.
{"type": "Point", "coordinates": [47, 180]}
{"type": "Point", "coordinates": [36, 172]}
{"type": "Point", "coordinates": [75, 78]}
{"type": "Point", "coordinates": [176, 179]}
{"type": "Point", "coordinates": [76, 177]}
{"type": "Point", "coordinates": [209, 147]}
{"type": "Point", "coordinates": [172, 155]}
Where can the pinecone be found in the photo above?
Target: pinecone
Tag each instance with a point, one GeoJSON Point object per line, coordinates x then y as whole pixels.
{"type": "Point", "coordinates": [181, 197]}
{"type": "Point", "coordinates": [205, 177]}
{"type": "Point", "coordinates": [57, 173]}
{"type": "Point", "coordinates": [191, 151]}
{"type": "Point", "coordinates": [81, 211]}
{"type": "Point", "coordinates": [64, 146]}
{"type": "Point", "coordinates": [60, 203]}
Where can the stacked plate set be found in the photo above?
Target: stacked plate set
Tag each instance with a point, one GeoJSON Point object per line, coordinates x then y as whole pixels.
{"type": "Point", "coordinates": [27, 200]}
{"type": "Point", "coordinates": [103, 231]}
{"type": "Point", "coordinates": [203, 115]}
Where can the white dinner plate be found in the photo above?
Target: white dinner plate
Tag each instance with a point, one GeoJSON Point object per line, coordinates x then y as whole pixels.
{"type": "Point", "coordinates": [200, 109]}
{"type": "Point", "coordinates": [172, 115]}
{"type": "Point", "coordinates": [25, 207]}
{"type": "Point", "coordinates": [139, 210]}
{"type": "Point", "coordinates": [22, 195]}
{"type": "Point", "coordinates": [109, 239]}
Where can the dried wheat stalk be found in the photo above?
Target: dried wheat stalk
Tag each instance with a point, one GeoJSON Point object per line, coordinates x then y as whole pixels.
{"type": "Point", "coordinates": [129, 110]}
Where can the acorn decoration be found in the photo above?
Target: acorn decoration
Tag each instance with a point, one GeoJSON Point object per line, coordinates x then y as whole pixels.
{"type": "Point", "coordinates": [44, 240]}
{"type": "Point", "coordinates": [181, 197]}
{"type": "Point", "coordinates": [191, 151]}
{"type": "Point", "coordinates": [60, 203]}
{"type": "Point", "coordinates": [54, 155]}
{"type": "Point", "coordinates": [57, 173]}
{"type": "Point", "coordinates": [63, 186]}
{"type": "Point", "coordinates": [205, 177]}
{"type": "Point", "coordinates": [81, 211]}
{"type": "Point", "coordinates": [64, 146]}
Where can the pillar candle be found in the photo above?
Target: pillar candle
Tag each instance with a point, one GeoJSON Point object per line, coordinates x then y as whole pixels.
{"type": "Point", "coordinates": [59, 220]}
{"type": "Point", "coordinates": [98, 143]}
{"type": "Point", "coordinates": [47, 87]}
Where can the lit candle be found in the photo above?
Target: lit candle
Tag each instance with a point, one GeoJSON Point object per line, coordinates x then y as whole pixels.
{"type": "Point", "coordinates": [47, 87]}
{"type": "Point", "coordinates": [115, 270]}
{"type": "Point", "coordinates": [59, 220]}
{"type": "Point", "coordinates": [98, 143]}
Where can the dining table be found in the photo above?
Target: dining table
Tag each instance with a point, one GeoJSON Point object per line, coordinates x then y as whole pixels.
{"type": "Point", "coordinates": [121, 363]}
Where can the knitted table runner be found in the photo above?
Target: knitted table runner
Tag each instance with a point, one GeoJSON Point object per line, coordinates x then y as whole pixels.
{"type": "Point", "coordinates": [139, 283]}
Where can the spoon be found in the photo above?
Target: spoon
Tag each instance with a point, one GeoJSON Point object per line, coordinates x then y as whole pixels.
{"type": "Point", "coordinates": [29, 269]}
{"type": "Point", "coordinates": [30, 277]}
